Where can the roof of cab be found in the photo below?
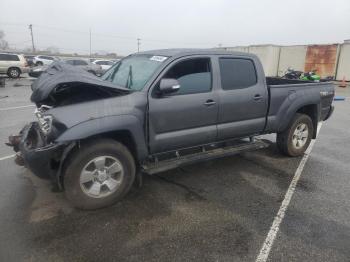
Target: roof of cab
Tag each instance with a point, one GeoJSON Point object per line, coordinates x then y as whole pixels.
{"type": "Point", "coordinates": [186, 51]}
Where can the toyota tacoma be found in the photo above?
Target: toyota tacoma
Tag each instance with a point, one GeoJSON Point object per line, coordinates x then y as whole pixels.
{"type": "Point", "coordinates": [157, 110]}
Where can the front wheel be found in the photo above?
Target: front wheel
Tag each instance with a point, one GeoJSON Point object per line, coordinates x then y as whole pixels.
{"type": "Point", "coordinates": [296, 138]}
{"type": "Point", "coordinates": [98, 174]}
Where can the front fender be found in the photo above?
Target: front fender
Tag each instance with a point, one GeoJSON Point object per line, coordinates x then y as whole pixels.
{"type": "Point", "coordinates": [108, 124]}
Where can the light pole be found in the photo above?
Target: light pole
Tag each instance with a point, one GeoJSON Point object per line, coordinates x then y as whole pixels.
{"type": "Point", "coordinates": [138, 44]}
{"type": "Point", "coordinates": [31, 33]}
{"type": "Point", "coordinates": [90, 42]}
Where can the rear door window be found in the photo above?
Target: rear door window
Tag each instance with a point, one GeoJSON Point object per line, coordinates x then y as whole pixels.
{"type": "Point", "coordinates": [237, 73]}
{"type": "Point", "coordinates": [13, 58]}
{"type": "Point", "coordinates": [2, 57]}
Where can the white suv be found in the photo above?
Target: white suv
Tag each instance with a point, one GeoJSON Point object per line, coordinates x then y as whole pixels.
{"type": "Point", "coordinates": [41, 60]}
{"type": "Point", "coordinates": [105, 64]}
{"type": "Point", "coordinates": [13, 65]}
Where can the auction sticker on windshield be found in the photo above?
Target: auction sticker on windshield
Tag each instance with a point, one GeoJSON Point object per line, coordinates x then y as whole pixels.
{"type": "Point", "coordinates": [158, 58]}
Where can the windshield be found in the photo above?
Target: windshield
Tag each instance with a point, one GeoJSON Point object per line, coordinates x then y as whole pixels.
{"type": "Point", "coordinates": [133, 72]}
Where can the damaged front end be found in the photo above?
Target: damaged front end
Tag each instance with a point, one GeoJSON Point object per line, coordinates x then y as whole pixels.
{"type": "Point", "coordinates": [64, 97]}
{"type": "Point", "coordinates": [36, 148]}
{"type": "Point", "coordinates": [33, 152]}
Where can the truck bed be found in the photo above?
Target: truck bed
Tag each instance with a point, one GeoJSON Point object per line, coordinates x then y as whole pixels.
{"type": "Point", "coordinates": [283, 81]}
{"type": "Point", "coordinates": [286, 95]}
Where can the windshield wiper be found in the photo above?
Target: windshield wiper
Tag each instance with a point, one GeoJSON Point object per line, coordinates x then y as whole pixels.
{"type": "Point", "coordinates": [129, 79]}
{"type": "Point", "coordinates": [111, 76]}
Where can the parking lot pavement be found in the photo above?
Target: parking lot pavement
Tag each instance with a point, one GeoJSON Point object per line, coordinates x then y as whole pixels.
{"type": "Point", "coordinates": [15, 109]}
{"type": "Point", "coordinates": [317, 225]}
{"type": "Point", "coordinates": [219, 210]}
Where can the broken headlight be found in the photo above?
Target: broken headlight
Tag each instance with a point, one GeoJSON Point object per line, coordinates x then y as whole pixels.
{"type": "Point", "coordinates": [45, 121]}
{"type": "Point", "coordinates": [49, 126]}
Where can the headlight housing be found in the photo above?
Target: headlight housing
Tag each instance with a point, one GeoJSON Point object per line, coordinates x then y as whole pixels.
{"type": "Point", "coordinates": [48, 125]}
{"type": "Point", "coordinates": [45, 121]}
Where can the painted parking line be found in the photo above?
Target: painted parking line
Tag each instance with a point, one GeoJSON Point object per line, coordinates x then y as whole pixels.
{"type": "Point", "coordinates": [15, 107]}
{"type": "Point", "coordinates": [266, 248]}
{"type": "Point", "coordinates": [7, 157]}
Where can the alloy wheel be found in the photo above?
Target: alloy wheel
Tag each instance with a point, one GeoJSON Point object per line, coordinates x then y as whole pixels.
{"type": "Point", "coordinates": [101, 176]}
{"type": "Point", "coordinates": [300, 135]}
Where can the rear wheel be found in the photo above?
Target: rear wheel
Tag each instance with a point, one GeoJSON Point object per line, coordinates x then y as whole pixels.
{"type": "Point", "coordinates": [98, 174]}
{"type": "Point", "coordinates": [39, 63]}
{"type": "Point", "coordinates": [296, 138]}
{"type": "Point", "coordinates": [13, 72]}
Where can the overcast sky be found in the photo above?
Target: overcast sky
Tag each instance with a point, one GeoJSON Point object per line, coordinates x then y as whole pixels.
{"type": "Point", "coordinates": [116, 25]}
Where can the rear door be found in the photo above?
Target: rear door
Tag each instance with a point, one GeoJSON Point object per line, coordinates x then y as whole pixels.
{"type": "Point", "coordinates": [188, 117]}
{"type": "Point", "coordinates": [243, 97]}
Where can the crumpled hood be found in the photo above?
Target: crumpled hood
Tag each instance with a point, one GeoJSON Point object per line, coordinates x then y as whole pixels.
{"type": "Point", "coordinates": [60, 75]}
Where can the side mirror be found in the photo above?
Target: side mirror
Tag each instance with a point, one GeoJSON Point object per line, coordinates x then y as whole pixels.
{"type": "Point", "coordinates": [168, 86]}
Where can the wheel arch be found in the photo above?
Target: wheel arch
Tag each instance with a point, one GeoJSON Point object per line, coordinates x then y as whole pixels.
{"type": "Point", "coordinates": [122, 136]}
{"type": "Point", "coordinates": [311, 110]}
{"type": "Point", "coordinates": [127, 129]}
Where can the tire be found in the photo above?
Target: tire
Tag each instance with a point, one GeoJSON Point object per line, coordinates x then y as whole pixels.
{"type": "Point", "coordinates": [13, 72]}
{"type": "Point", "coordinates": [294, 141]}
{"type": "Point", "coordinates": [98, 192]}
{"type": "Point", "coordinates": [39, 63]}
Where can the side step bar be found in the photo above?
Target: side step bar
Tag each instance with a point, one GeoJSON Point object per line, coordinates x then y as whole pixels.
{"type": "Point", "coordinates": [157, 166]}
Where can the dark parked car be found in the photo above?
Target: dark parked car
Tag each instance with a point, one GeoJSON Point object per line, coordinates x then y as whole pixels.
{"type": "Point", "coordinates": [79, 63]}
{"type": "Point", "coordinates": [158, 110]}
{"type": "Point", "coordinates": [30, 59]}
{"type": "Point", "coordinates": [37, 70]}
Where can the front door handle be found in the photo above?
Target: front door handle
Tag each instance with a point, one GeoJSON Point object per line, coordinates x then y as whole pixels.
{"type": "Point", "coordinates": [210, 102]}
{"type": "Point", "coordinates": [257, 97]}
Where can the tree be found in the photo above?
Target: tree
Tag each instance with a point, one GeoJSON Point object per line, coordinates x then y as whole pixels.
{"type": "Point", "coordinates": [3, 43]}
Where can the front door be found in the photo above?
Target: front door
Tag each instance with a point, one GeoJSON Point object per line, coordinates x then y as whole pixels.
{"type": "Point", "coordinates": [188, 117]}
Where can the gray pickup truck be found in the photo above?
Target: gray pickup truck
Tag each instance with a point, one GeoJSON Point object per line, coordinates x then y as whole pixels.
{"type": "Point", "coordinates": [157, 110]}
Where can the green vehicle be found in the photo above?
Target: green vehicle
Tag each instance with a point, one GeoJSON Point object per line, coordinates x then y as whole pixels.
{"type": "Point", "coordinates": [310, 76]}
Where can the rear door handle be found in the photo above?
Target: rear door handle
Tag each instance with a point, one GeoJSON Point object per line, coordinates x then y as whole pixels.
{"type": "Point", "coordinates": [210, 102]}
{"type": "Point", "coordinates": [257, 97]}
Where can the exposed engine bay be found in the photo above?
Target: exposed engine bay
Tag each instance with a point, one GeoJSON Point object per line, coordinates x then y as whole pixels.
{"type": "Point", "coordinates": [63, 84]}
